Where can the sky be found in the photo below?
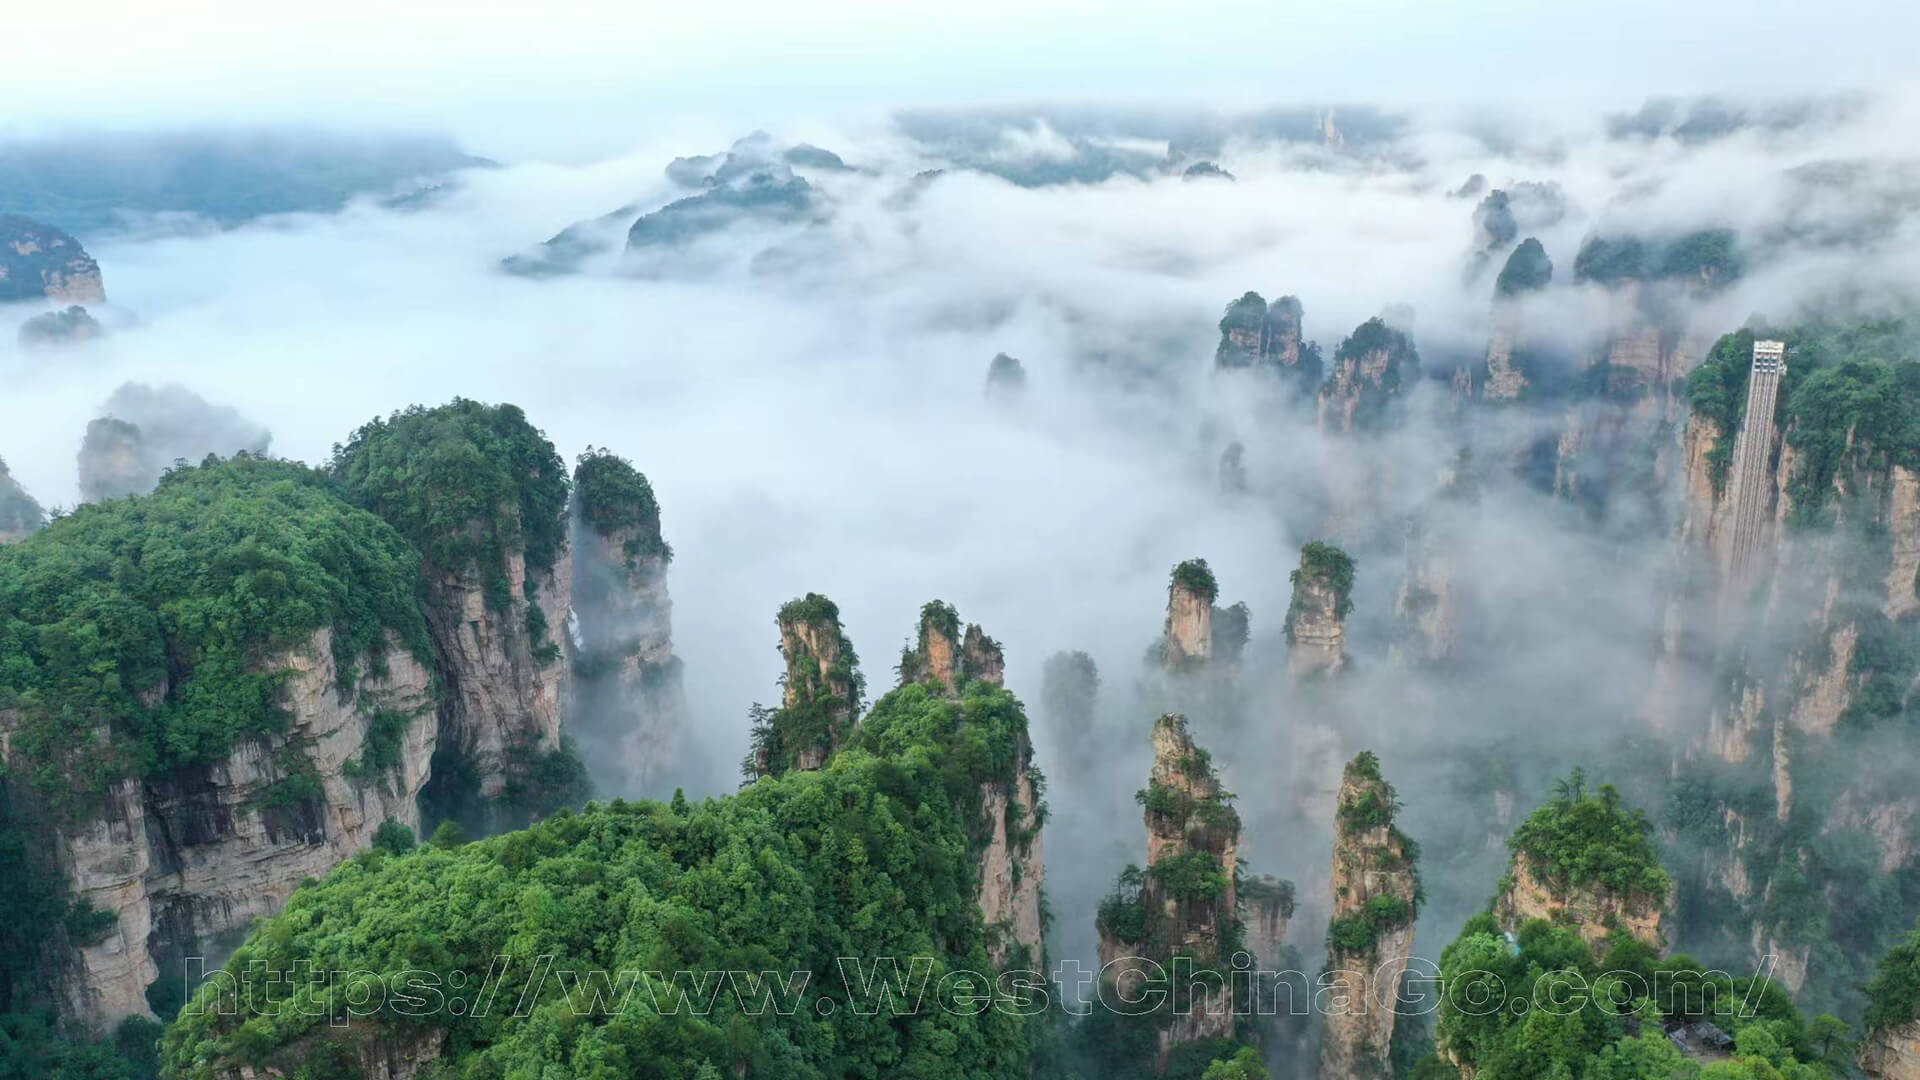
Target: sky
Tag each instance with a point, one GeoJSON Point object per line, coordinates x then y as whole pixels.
{"type": "Point", "coordinates": [570, 80]}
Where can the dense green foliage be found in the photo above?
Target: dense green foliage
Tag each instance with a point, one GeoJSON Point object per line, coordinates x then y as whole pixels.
{"type": "Point", "coordinates": [1893, 997]}
{"type": "Point", "coordinates": [135, 634]}
{"type": "Point", "coordinates": [1583, 838]}
{"type": "Point", "coordinates": [1545, 1007]}
{"type": "Point", "coordinates": [1707, 257]}
{"type": "Point", "coordinates": [873, 856]}
{"type": "Point", "coordinates": [1850, 399]}
{"type": "Point", "coordinates": [1197, 578]}
{"type": "Point", "coordinates": [616, 501]}
{"type": "Point", "coordinates": [467, 483]}
{"type": "Point", "coordinates": [1527, 270]}
{"type": "Point", "coordinates": [1249, 313]}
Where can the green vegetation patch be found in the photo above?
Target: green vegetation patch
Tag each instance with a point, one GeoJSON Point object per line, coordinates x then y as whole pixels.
{"type": "Point", "coordinates": [874, 856]}
{"type": "Point", "coordinates": [152, 621]}
{"type": "Point", "coordinates": [615, 500]}
{"type": "Point", "coordinates": [1591, 838]}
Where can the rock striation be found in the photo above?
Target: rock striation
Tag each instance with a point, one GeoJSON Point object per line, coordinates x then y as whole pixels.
{"type": "Point", "coordinates": [1186, 902]}
{"type": "Point", "coordinates": [1376, 894]}
{"type": "Point", "coordinates": [820, 692]}
{"type": "Point", "coordinates": [627, 707]}
{"type": "Point", "coordinates": [1317, 614]}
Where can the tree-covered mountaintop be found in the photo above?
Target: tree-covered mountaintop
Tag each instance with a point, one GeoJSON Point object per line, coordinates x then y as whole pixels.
{"type": "Point", "coordinates": [1591, 838]}
{"type": "Point", "coordinates": [872, 856]}
{"type": "Point", "coordinates": [1197, 578]}
{"type": "Point", "coordinates": [150, 617]}
{"type": "Point", "coordinates": [1708, 257]}
{"type": "Point", "coordinates": [614, 498]}
{"type": "Point", "coordinates": [465, 482]}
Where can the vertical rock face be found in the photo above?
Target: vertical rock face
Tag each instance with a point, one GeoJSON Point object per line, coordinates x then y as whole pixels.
{"type": "Point", "coordinates": [20, 515]}
{"type": "Point", "coordinates": [820, 692]}
{"type": "Point", "coordinates": [40, 262]}
{"type": "Point", "coordinates": [1266, 907]}
{"type": "Point", "coordinates": [482, 494]}
{"type": "Point", "coordinates": [946, 657]}
{"type": "Point", "coordinates": [627, 706]}
{"type": "Point", "coordinates": [1011, 869]}
{"type": "Point", "coordinates": [1267, 337]}
{"type": "Point", "coordinates": [1317, 614]}
{"type": "Point", "coordinates": [1188, 639]}
{"type": "Point", "coordinates": [1186, 901]}
{"type": "Point", "coordinates": [1376, 894]}
{"type": "Point", "coordinates": [502, 688]}
{"type": "Point", "coordinates": [186, 862]}
{"type": "Point", "coordinates": [1369, 370]}
{"type": "Point", "coordinates": [1892, 1053]}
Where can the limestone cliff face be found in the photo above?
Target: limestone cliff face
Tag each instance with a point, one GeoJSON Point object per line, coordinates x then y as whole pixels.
{"type": "Point", "coordinates": [20, 515]}
{"type": "Point", "coordinates": [1256, 335]}
{"type": "Point", "coordinates": [38, 261]}
{"type": "Point", "coordinates": [1266, 909]}
{"type": "Point", "coordinates": [1892, 1053]}
{"type": "Point", "coordinates": [1187, 900]}
{"type": "Point", "coordinates": [944, 656]}
{"type": "Point", "coordinates": [501, 688]}
{"type": "Point", "coordinates": [1368, 372]}
{"type": "Point", "coordinates": [1376, 894]}
{"type": "Point", "coordinates": [187, 861]}
{"type": "Point", "coordinates": [1012, 870]}
{"type": "Point", "coordinates": [1590, 910]}
{"type": "Point", "coordinates": [1189, 631]}
{"type": "Point", "coordinates": [626, 707]}
{"type": "Point", "coordinates": [820, 692]}
{"type": "Point", "coordinates": [1316, 616]}
{"type": "Point", "coordinates": [382, 1051]}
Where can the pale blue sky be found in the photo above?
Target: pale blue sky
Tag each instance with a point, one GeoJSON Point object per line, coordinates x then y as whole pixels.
{"type": "Point", "coordinates": [558, 75]}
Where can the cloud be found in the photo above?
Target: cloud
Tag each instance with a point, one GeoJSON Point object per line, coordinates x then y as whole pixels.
{"type": "Point", "coordinates": [817, 421]}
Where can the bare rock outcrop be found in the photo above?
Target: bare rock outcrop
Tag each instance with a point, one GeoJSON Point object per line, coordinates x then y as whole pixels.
{"type": "Point", "coordinates": [820, 692]}
{"type": "Point", "coordinates": [1316, 616]}
{"type": "Point", "coordinates": [1892, 1053]}
{"type": "Point", "coordinates": [1188, 638]}
{"type": "Point", "coordinates": [1376, 894]}
{"type": "Point", "coordinates": [38, 261]}
{"type": "Point", "coordinates": [946, 656]}
{"type": "Point", "coordinates": [187, 861]}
